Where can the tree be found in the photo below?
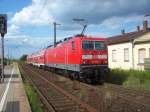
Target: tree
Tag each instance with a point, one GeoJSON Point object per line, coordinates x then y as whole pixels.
{"type": "Point", "coordinates": [23, 57]}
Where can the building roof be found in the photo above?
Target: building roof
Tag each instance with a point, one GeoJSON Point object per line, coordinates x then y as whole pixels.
{"type": "Point", "coordinates": [125, 37]}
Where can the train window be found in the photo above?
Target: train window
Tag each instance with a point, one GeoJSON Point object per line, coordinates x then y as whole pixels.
{"type": "Point", "coordinates": [93, 45]}
{"type": "Point", "coordinates": [99, 45]}
{"type": "Point", "coordinates": [73, 45]}
{"type": "Point", "coordinates": [87, 45]}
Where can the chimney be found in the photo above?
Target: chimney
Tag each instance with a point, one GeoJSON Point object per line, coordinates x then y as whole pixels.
{"type": "Point", "coordinates": [138, 28]}
{"type": "Point", "coordinates": [145, 26]}
{"type": "Point", "coordinates": [123, 31]}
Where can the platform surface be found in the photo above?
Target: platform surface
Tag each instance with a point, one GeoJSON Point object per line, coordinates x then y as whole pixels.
{"type": "Point", "coordinates": [12, 94]}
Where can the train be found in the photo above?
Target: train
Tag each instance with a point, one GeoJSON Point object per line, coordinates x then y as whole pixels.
{"type": "Point", "coordinates": [79, 57]}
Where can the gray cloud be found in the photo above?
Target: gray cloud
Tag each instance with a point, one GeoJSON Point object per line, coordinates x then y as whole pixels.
{"type": "Point", "coordinates": [94, 11]}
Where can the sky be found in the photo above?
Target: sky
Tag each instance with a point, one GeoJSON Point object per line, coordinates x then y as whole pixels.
{"type": "Point", "coordinates": [30, 22]}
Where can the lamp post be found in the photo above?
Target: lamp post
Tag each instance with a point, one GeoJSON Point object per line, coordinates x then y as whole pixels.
{"type": "Point", "coordinates": [3, 31]}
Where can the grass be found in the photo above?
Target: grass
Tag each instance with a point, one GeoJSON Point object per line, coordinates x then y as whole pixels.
{"type": "Point", "coordinates": [33, 98]}
{"type": "Point", "coordinates": [130, 78]}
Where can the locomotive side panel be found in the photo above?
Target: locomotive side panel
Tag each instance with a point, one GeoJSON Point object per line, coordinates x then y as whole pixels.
{"type": "Point", "coordinates": [74, 51]}
{"type": "Point", "coordinates": [73, 55]}
{"type": "Point", "coordinates": [63, 56]}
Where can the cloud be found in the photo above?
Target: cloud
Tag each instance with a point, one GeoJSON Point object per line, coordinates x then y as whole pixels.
{"type": "Point", "coordinates": [13, 29]}
{"type": "Point", "coordinates": [23, 44]}
{"type": "Point", "coordinates": [100, 15]}
{"type": "Point", "coordinates": [27, 41]}
{"type": "Point", "coordinates": [34, 14]}
{"type": "Point", "coordinates": [41, 12]}
{"type": "Point", "coordinates": [119, 22]}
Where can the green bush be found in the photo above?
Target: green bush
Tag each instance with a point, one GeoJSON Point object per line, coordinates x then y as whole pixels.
{"type": "Point", "coordinates": [116, 76]}
{"type": "Point", "coordinates": [130, 78]}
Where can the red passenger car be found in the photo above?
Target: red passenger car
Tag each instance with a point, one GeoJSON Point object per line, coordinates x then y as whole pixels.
{"type": "Point", "coordinates": [37, 58]}
{"type": "Point", "coordinates": [83, 58]}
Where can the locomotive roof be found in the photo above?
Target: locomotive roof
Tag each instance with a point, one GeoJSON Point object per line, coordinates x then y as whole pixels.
{"type": "Point", "coordinates": [41, 52]}
{"type": "Point", "coordinates": [68, 38]}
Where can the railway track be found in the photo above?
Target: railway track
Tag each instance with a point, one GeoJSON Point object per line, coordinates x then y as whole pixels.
{"type": "Point", "coordinates": [142, 97]}
{"type": "Point", "coordinates": [128, 100]}
{"type": "Point", "coordinates": [54, 98]}
{"type": "Point", "coordinates": [118, 89]}
{"type": "Point", "coordinates": [106, 98]}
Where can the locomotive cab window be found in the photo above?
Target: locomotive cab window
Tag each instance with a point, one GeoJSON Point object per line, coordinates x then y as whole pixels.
{"type": "Point", "coordinates": [93, 45]}
{"type": "Point", "coordinates": [87, 45]}
{"type": "Point", "coordinates": [99, 45]}
{"type": "Point", "coordinates": [73, 45]}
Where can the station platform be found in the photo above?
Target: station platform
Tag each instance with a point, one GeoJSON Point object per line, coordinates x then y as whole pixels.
{"type": "Point", "coordinates": [12, 94]}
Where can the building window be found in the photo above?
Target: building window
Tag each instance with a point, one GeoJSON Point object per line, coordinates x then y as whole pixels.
{"type": "Point", "coordinates": [73, 45]}
{"type": "Point", "coordinates": [126, 54]}
{"type": "Point", "coordinates": [114, 57]}
{"type": "Point", "coordinates": [141, 56]}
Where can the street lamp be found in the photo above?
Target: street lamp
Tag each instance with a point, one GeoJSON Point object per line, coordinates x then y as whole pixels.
{"type": "Point", "coordinates": [3, 31]}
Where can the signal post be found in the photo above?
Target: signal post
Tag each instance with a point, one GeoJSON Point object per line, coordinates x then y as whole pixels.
{"type": "Point", "coordinates": [3, 31]}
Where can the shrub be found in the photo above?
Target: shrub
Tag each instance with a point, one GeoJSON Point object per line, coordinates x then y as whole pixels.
{"type": "Point", "coordinates": [116, 76]}
{"type": "Point", "coordinates": [130, 78]}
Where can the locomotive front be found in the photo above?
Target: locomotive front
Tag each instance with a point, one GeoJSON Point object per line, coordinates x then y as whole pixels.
{"type": "Point", "coordinates": [94, 59]}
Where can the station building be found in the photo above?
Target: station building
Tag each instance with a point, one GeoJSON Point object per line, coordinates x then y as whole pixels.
{"type": "Point", "coordinates": [129, 50]}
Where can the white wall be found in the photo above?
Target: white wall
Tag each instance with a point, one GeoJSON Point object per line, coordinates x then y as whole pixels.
{"type": "Point", "coordinates": [145, 39]}
{"type": "Point", "coordinates": [145, 45]}
{"type": "Point", "coordinates": [120, 63]}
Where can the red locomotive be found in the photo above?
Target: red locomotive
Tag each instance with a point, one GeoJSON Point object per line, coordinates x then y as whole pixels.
{"type": "Point", "coordinates": [81, 57]}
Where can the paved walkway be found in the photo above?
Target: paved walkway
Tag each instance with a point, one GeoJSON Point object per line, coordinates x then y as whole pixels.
{"type": "Point", "coordinates": [12, 93]}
